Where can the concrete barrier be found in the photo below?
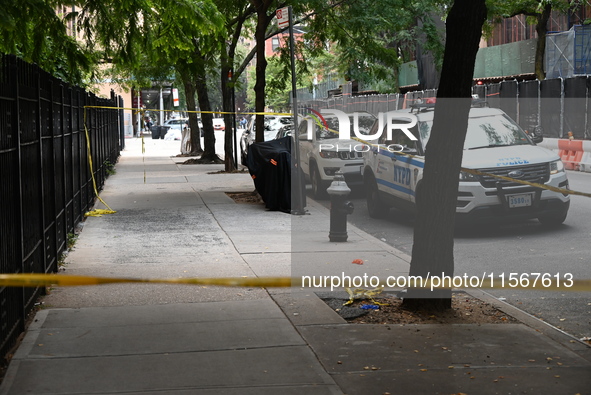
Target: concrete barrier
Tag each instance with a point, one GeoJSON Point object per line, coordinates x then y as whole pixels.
{"type": "Point", "coordinates": [575, 154]}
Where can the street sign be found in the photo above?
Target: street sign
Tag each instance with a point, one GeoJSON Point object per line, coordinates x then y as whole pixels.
{"type": "Point", "coordinates": [175, 97]}
{"type": "Point", "coordinates": [282, 17]}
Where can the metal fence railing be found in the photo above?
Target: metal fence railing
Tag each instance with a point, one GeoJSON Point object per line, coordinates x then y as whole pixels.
{"type": "Point", "coordinates": [45, 180]}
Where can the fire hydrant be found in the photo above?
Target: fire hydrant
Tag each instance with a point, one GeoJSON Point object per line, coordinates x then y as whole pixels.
{"type": "Point", "coordinates": [339, 208]}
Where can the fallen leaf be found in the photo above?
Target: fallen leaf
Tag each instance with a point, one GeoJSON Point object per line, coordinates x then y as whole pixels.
{"type": "Point", "coordinates": [358, 261]}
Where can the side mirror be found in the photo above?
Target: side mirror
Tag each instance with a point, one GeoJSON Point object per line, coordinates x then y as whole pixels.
{"type": "Point", "coordinates": [537, 134]}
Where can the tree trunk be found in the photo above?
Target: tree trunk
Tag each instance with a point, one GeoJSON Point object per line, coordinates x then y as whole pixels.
{"type": "Point", "coordinates": [261, 67]}
{"type": "Point", "coordinates": [432, 253]}
{"type": "Point", "coordinates": [193, 118]}
{"type": "Point", "coordinates": [542, 30]}
{"type": "Point", "coordinates": [228, 55]}
{"type": "Point", "coordinates": [209, 155]}
{"type": "Point", "coordinates": [228, 107]}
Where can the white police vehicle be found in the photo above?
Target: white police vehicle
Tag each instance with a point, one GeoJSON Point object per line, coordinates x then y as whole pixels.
{"type": "Point", "coordinates": [323, 151]}
{"type": "Point", "coordinates": [494, 144]}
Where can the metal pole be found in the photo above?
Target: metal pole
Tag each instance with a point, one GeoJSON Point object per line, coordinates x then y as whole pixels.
{"type": "Point", "coordinates": [139, 119]}
{"type": "Point", "coordinates": [297, 204]}
{"type": "Point", "coordinates": [161, 107]}
{"type": "Point", "coordinates": [234, 148]}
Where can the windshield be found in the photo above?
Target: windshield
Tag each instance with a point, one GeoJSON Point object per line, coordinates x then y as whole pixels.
{"type": "Point", "coordinates": [486, 131]}
{"type": "Point", "coordinates": [365, 122]}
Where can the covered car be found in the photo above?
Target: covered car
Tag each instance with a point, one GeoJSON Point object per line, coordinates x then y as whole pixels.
{"type": "Point", "coordinates": [271, 167]}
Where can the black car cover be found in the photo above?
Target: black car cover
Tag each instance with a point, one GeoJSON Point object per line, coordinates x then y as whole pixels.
{"type": "Point", "coordinates": [270, 166]}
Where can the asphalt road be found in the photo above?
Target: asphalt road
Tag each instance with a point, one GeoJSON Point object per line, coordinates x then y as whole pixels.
{"type": "Point", "coordinates": [517, 248]}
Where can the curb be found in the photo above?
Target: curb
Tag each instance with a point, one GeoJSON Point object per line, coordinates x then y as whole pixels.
{"type": "Point", "coordinates": [566, 340]}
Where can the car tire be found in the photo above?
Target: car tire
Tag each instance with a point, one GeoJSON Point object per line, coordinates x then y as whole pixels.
{"type": "Point", "coordinates": [318, 186]}
{"type": "Point", "coordinates": [552, 220]}
{"type": "Point", "coordinates": [375, 207]}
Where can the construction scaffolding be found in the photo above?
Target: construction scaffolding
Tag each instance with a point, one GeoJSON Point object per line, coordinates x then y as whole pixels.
{"type": "Point", "coordinates": [568, 53]}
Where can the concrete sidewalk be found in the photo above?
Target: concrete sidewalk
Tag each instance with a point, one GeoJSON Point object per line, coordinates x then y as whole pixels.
{"type": "Point", "coordinates": [176, 221]}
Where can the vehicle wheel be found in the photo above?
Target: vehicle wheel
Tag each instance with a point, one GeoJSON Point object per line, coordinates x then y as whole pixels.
{"type": "Point", "coordinates": [318, 187]}
{"type": "Point", "coordinates": [375, 207]}
{"type": "Point", "coordinates": [552, 220]}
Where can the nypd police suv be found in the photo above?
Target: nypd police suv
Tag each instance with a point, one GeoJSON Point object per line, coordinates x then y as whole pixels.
{"type": "Point", "coordinates": [393, 168]}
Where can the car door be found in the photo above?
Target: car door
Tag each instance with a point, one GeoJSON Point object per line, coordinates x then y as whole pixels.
{"type": "Point", "coordinates": [306, 146]}
{"type": "Point", "coordinates": [396, 163]}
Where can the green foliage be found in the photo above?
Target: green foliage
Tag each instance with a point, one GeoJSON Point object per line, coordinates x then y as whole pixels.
{"type": "Point", "coordinates": [109, 168]}
{"type": "Point", "coordinates": [372, 39]}
{"type": "Point", "coordinates": [71, 240]}
{"type": "Point", "coordinates": [32, 30]}
{"type": "Point", "coordinates": [499, 9]}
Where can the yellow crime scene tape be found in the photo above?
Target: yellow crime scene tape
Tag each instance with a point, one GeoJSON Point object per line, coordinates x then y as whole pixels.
{"type": "Point", "coordinates": [100, 212]}
{"type": "Point", "coordinates": [481, 173]}
{"type": "Point", "coordinates": [39, 280]}
{"type": "Point", "coordinates": [47, 280]}
{"type": "Point", "coordinates": [95, 212]}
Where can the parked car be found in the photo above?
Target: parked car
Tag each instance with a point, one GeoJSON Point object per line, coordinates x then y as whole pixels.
{"type": "Point", "coordinates": [323, 152]}
{"type": "Point", "coordinates": [285, 131]}
{"type": "Point", "coordinates": [494, 144]}
{"type": "Point", "coordinates": [176, 126]}
{"type": "Point", "coordinates": [176, 123]}
{"type": "Point", "coordinates": [218, 124]}
{"type": "Point", "coordinates": [273, 123]}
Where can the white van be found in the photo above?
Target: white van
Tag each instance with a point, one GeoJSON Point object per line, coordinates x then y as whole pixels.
{"type": "Point", "coordinates": [494, 144]}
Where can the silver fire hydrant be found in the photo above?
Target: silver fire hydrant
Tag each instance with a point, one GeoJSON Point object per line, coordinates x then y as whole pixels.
{"type": "Point", "coordinates": [340, 207]}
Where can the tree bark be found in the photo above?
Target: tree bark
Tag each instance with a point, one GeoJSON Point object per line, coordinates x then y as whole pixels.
{"type": "Point", "coordinates": [190, 92]}
{"type": "Point", "coordinates": [229, 77]}
{"type": "Point", "coordinates": [436, 195]}
{"type": "Point", "coordinates": [542, 30]}
{"type": "Point", "coordinates": [209, 155]}
{"type": "Point", "coordinates": [263, 20]}
{"type": "Point", "coordinates": [228, 107]}
{"type": "Point", "coordinates": [261, 67]}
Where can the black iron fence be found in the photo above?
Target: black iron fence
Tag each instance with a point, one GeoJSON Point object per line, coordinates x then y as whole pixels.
{"type": "Point", "coordinates": [558, 105]}
{"type": "Point", "coordinates": [45, 179]}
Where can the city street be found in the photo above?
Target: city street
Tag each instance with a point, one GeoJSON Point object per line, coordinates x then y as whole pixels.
{"type": "Point", "coordinates": [517, 248]}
